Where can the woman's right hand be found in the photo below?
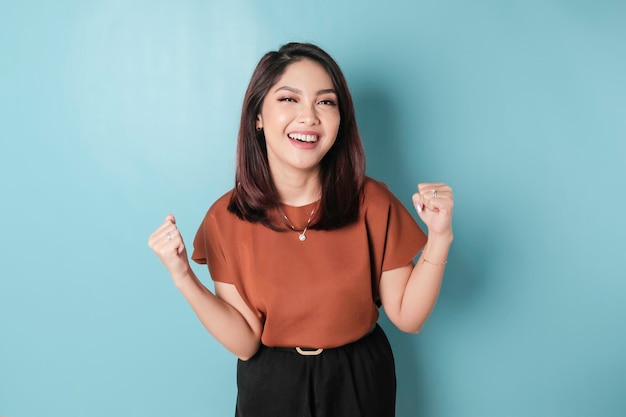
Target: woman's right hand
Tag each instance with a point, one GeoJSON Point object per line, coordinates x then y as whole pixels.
{"type": "Point", "coordinates": [168, 244]}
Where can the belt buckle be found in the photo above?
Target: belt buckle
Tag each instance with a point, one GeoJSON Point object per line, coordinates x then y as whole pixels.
{"type": "Point", "coordinates": [309, 352]}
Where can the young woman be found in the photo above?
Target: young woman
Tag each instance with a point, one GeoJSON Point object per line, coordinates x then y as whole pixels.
{"type": "Point", "coordinates": [305, 249]}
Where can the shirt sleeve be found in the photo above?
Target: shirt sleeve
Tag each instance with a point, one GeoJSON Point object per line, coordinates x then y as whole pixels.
{"type": "Point", "coordinates": [208, 249]}
{"type": "Point", "coordinates": [394, 236]}
{"type": "Point", "coordinates": [404, 237]}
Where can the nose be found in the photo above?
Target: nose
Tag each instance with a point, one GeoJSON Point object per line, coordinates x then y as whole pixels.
{"type": "Point", "coordinates": [308, 115]}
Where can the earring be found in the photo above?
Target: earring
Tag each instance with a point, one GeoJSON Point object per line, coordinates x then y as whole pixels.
{"type": "Point", "coordinates": [259, 128]}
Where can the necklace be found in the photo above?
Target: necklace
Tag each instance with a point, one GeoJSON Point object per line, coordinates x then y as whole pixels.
{"type": "Point", "coordinates": [301, 234]}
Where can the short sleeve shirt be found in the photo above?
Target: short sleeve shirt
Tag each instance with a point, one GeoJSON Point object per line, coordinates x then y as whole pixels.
{"type": "Point", "coordinates": [321, 292]}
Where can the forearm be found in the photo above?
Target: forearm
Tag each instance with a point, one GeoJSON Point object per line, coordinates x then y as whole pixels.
{"type": "Point", "coordinates": [222, 320]}
{"type": "Point", "coordinates": [424, 284]}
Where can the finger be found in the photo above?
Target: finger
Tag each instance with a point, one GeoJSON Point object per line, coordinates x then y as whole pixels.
{"type": "Point", "coordinates": [417, 202]}
{"type": "Point", "coordinates": [158, 233]}
{"type": "Point", "coordinates": [443, 203]}
{"type": "Point", "coordinates": [434, 191]}
{"type": "Point", "coordinates": [427, 186]}
{"type": "Point", "coordinates": [170, 243]}
{"type": "Point", "coordinates": [438, 206]}
{"type": "Point", "coordinates": [171, 233]}
{"type": "Point", "coordinates": [427, 191]}
{"type": "Point", "coordinates": [170, 230]}
{"type": "Point", "coordinates": [161, 231]}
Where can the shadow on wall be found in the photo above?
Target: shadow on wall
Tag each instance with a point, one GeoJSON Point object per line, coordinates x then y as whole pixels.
{"type": "Point", "coordinates": [378, 126]}
{"type": "Point", "coordinates": [383, 139]}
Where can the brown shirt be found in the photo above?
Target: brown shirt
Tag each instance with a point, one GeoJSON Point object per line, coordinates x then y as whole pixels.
{"type": "Point", "coordinates": [321, 292]}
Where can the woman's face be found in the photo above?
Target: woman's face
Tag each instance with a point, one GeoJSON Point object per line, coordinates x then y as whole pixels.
{"type": "Point", "coordinates": [300, 118]}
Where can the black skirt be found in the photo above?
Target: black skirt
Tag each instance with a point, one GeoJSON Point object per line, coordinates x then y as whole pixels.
{"type": "Point", "coordinates": [355, 380]}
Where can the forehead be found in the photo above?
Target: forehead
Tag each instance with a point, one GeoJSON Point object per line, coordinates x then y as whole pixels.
{"type": "Point", "coordinates": [305, 73]}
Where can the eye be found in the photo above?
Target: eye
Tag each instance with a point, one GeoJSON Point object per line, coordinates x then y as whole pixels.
{"type": "Point", "coordinates": [328, 102]}
{"type": "Point", "coordinates": [287, 99]}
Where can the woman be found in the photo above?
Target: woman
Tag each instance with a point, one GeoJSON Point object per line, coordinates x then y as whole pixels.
{"type": "Point", "coordinates": [305, 249]}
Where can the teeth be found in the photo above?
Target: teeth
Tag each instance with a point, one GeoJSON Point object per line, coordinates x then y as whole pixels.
{"type": "Point", "coordinates": [303, 138]}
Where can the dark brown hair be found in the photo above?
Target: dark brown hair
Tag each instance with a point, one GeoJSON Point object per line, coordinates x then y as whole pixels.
{"type": "Point", "coordinates": [342, 169]}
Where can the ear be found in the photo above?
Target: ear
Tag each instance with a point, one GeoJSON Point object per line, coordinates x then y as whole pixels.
{"type": "Point", "coordinates": [259, 123]}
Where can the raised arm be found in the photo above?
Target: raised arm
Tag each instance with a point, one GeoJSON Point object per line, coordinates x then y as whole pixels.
{"type": "Point", "coordinates": [408, 294]}
{"type": "Point", "coordinates": [224, 314]}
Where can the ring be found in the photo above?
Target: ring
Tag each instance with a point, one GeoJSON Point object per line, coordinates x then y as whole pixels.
{"type": "Point", "coordinates": [434, 193]}
{"type": "Point", "coordinates": [169, 237]}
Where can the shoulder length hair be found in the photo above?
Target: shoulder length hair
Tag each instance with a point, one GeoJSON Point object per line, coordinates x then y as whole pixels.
{"type": "Point", "coordinates": [342, 169]}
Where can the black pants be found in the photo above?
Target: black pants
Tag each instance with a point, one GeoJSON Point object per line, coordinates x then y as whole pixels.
{"type": "Point", "coordinates": [355, 380]}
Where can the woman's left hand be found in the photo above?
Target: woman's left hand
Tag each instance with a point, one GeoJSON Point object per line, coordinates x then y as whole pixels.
{"type": "Point", "coordinates": [434, 203]}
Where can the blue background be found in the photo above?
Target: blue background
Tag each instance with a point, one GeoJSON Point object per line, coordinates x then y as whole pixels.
{"type": "Point", "coordinates": [115, 113]}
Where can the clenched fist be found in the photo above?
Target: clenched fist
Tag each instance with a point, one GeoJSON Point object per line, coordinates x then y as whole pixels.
{"type": "Point", "coordinates": [434, 203]}
{"type": "Point", "coordinates": [167, 243]}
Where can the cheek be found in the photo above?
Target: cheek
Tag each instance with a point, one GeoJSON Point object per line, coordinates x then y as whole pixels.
{"type": "Point", "coordinates": [276, 118]}
{"type": "Point", "coordinates": [336, 123]}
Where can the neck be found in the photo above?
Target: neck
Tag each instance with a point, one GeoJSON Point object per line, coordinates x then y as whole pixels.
{"type": "Point", "coordinates": [298, 190]}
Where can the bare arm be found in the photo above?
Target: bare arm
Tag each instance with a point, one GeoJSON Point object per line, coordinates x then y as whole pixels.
{"type": "Point", "coordinates": [408, 294]}
{"type": "Point", "coordinates": [224, 314]}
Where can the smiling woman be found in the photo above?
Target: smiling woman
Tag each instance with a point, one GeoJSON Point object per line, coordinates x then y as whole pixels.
{"type": "Point", "coordinates": [300, 312]}
{"type": "Point", "coordinates": [299, 120]}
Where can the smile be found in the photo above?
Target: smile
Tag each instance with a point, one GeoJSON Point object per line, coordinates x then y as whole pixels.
{"type": "Point", "coordinates": [303, 138]}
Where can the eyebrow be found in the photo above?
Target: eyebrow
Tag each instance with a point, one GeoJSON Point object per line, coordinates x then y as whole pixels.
{"type": "Point", "coordinates": [298, 91]}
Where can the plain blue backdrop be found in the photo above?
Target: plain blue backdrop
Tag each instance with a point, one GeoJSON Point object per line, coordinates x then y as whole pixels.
{"type": "Point", "coordinates": [115, 113]}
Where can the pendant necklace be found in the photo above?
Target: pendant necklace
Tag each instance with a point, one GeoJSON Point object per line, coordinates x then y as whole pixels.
{"type": "Point", "coordinates": [301, 234]}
